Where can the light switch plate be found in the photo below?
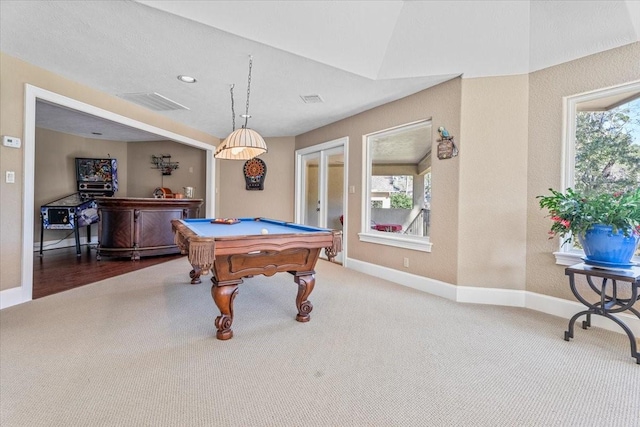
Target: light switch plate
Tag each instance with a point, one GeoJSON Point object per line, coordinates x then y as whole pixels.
{"type": "Point", "coordinates": [11, 141]}
{"type": "Point", "coordinates": [10, 177]}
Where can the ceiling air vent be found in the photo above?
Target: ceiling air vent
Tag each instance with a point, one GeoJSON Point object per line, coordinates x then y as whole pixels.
{"type": "Point", "coordinates": [311, 99]}
{"type": "Point", "coordinates": [153, 101]}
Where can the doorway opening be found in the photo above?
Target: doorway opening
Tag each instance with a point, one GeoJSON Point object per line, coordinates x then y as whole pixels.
{"type": "Point", "coordinates": [321, 188]}
{"type": "Point", "coordinates": [32, 95]}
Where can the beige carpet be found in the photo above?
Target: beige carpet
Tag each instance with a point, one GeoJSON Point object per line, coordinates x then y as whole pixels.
{"type": "Point", "coordinates": [140, 350]}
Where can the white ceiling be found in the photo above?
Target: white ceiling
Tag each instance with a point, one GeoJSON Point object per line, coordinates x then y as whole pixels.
{"type": "Point", "coordinates": [355, 54]}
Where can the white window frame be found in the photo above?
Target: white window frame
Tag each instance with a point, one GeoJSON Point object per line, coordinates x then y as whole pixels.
{"type": "Point", "coordinates": [567, 254]}
{"type": "Point", "coordinates": [417, 243]}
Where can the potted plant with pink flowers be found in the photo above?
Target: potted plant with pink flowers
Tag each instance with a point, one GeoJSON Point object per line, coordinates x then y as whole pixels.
{"type": "Point", "coordinates": [607, 226]}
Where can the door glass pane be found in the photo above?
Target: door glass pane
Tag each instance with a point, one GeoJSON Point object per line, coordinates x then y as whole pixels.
{"type": "Point", "coordinates": [311, 197]}
{"type": "Point", "coordinates": [335, 189]}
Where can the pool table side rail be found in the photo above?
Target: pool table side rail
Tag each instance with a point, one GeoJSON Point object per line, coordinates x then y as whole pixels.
{"type": "Point", "coordinates": [201, 248]}
{"type": "Point", "coordinates": [250, 226]}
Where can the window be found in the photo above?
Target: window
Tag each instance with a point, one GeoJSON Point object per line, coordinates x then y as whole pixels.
{"type": "Point", "coordinates": [398, 186]}
{"type": "Point", "coordinates": [602, 146]}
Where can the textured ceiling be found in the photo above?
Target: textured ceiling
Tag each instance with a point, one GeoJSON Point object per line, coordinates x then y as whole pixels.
{"type": "Point", "coordinates": [354, 54]}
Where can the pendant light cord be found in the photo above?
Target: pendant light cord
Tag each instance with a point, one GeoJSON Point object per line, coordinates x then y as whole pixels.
{"type": "Point", "coordinates": [246, 116]}
{"type": "Point", "coordinates": [233, 113]}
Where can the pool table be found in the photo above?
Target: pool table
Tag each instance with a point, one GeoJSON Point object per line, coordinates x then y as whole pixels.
{"type": "Point", "coordinates": [250, 247]}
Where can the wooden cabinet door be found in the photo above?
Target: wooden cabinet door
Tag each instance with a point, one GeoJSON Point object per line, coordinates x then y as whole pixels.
{"type": "Point", "coordinates": [116, 228]}
{"type": "Point", "coordinates": [153, 227]}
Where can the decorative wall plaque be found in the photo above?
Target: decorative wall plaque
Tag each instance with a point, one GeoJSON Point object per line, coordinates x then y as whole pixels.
{"type": "Point", "coordinates": [447, 149]}
{"type": "Point", "coordinates": [255, 171]}
{"type": "Point", "coordinates": [446, 145]}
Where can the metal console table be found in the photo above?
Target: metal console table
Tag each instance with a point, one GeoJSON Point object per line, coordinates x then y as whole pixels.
{"type": "Point", "coordinates": [610, 302]}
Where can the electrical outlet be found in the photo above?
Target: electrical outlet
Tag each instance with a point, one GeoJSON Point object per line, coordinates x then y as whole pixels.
{"type": "Point", "coordinates": [10, 177]}
{"type": "Point", "coordinates": [406, 262]}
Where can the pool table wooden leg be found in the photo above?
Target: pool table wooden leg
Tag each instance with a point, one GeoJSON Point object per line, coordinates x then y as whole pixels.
{"type": "Point", "coordinates": [306, 281]}
{"type": "Point", "coordinates": [223, 296]}
{"type": "Point", "coordinates": [195, 275]}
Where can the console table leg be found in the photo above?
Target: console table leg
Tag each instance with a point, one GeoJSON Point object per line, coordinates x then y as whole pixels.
{"type": "Point", "coordinates": [587, 323]}
{"type": "Point", "coordinates": [568, 334]}
{"type": "Point", "coordinates": [629, 332]}
{"type": "Point", "coordinates": [610, 302]}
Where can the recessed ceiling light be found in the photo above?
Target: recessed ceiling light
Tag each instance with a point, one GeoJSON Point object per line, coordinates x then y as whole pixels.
{"type": "Point", "coordinates": [187, 79]}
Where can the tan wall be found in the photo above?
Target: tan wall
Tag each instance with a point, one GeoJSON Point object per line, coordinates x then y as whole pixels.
{"type": "Point", "coordinates": [277, 198]}
{"type": "Point", "coordinates": [144, 178]}
{"type": "Point", "coordinates": [493, 182]}
{"type": "Point", "coordinates": [55, 170]}
{"type": "Point", "coordinates": [470, 218]}
{"type": "Point", "coordinates": [487, 232]}
{"type": "Point", "coordinates": [442, 105]}
{"type": "Point", "coordinates": [546, 91]}
{"type": "Point", "coordinates": [14, 75]}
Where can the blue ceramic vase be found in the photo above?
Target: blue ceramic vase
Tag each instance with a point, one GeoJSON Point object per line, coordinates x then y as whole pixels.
{"type": "Point", "coordinates": [601, 245]}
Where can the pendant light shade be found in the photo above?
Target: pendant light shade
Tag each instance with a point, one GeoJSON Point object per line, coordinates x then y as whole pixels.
{"type": "Point", "coordinates": [241, 144]}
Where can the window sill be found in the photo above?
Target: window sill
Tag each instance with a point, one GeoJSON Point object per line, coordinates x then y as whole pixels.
{"type": "Point", "coordinates": [575, 257]}
{"type": "Point", "coordinates": [568, 258]}
{"type": "Point", "coordinates": [398, 240]}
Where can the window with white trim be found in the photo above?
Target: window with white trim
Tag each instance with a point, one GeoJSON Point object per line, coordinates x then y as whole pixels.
{"type": "Point", "coordinates": [602, 151]}
{"type": "Point", "coordinates": [397, 183]}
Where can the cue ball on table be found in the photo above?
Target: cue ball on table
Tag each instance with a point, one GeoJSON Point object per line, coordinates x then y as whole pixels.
{"type": "Point", "coordinates": [264, 231]}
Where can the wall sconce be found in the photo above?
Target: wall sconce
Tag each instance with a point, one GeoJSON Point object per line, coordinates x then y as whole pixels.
{"type": "Point", "coordinates": [164, 163]}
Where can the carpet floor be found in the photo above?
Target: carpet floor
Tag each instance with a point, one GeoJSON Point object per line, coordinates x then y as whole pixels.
{"type": "Point", "coordinates": [140, 350]}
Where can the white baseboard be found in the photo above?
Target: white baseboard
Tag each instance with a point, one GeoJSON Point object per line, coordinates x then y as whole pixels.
{"type": "Point", "coordinates": [11, 297]}
{"type": "Point", "coordinates": [464, 294]}
{"type": "Point", "coordinates": [494, 296]}
{"type": "Point", "coordinates": [432, 286]}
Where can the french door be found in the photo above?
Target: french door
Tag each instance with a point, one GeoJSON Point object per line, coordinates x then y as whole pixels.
{"type": "Point", "coordinates": [321, 187]}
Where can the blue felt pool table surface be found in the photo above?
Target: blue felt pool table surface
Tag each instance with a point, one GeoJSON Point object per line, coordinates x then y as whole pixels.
{"type": "Point", "coordinates": [203, 227]}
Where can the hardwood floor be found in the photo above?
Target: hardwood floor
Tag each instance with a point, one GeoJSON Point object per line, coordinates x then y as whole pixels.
{"type": "Point", "coordinates": [60, 269]}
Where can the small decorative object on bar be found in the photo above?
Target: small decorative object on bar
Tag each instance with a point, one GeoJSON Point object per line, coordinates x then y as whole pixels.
{"type": "Point", "coordinates": [446, 145]}
{"type": "Point", "coordinates": [189, 192]}
{"type": "Point", "coordinates": [164, 163]}
{"type": "Point", "coordinates": [607, 226]}
{"type": "Point", "coordinates": [255, 171]}
{"type": "Point", "coordinates": [163, 193]}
